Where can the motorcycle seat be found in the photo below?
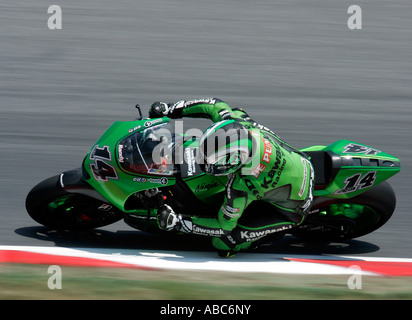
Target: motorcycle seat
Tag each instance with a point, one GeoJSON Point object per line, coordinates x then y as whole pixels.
{"type": "Point", "coordinates": [326, 165]}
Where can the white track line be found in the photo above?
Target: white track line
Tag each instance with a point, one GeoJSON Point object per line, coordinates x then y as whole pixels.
{"type": "Point", "coordinates": [184, 260]}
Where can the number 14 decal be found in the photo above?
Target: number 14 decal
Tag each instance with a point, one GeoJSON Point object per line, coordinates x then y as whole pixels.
{"type": "Point", "coordinates": [357, 182]}
{"type": "Point", "coordinates": [102, 171]}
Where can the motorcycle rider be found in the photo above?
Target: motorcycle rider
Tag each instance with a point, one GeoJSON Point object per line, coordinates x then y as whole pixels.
{"type": "Point", "coordinates": [259, 166]}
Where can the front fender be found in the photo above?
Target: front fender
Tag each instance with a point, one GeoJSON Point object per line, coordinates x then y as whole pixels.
{"type": "Point", "coordinates": [72, 181]}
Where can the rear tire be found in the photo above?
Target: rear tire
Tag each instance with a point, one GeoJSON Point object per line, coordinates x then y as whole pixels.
{"type": "Point", "coordinates": [50, 205]}
{"type": "Point", "coordinates": [375, 207]}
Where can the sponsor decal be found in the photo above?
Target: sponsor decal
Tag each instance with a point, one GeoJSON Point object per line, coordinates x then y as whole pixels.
{"type": "Point", "coordinates": [120, 153]}
{"type": "Point", "coordinates": [206, 186]}
{"type": "Point", "coordinates": [254, 235]}
{"type": "Point", "coordinates": [152, 122]}
{"type": "Point", "coordinates": [208, 231]}
{"type": "Point", "coordinates": [258, 170]}
{"type": "Point", "coordinates": [230, 211]}
{"type": "Point", "coordinates": [162, 181]}
{"type": "Point", "coordinates": [275, 171]}
{"type": "Point", "coordinates": [267, 152]}
{"type": "Point", "coordinates": [191, 161]}
{"type": "Point", "coordinates": [134, 129]}
{"type": "Point", "coordinates": [196, 101]}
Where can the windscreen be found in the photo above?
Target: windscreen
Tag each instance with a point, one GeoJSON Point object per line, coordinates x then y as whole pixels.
{"type": "Point", "coordinates": [148, 151]}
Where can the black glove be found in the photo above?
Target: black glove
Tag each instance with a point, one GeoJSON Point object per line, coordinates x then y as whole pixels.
{"type": "Point", "coordinates": [159, 109]}
{"type": "Point", "coordinates": [169, 220]}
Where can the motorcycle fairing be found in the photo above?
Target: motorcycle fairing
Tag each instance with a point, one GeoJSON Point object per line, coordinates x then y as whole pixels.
{"type": "Point", "coordinates": [345, 168]}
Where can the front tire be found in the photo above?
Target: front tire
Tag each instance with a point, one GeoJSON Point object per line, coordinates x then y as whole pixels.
{"type": "Point", "coordinates": [50, 205]}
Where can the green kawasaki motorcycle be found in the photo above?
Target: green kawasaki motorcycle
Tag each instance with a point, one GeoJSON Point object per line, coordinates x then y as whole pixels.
{"type": "Point", "coordinates": [120, 179]}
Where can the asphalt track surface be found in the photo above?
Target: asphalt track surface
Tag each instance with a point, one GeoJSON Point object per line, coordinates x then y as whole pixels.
{"type": "Point", "coordinates": [294, 66]}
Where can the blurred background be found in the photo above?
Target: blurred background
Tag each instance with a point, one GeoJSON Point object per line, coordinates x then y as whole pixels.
{"type": "Point", "coordinates": [294, 66]}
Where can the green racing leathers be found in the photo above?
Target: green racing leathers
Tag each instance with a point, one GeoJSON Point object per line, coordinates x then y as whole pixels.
{"type": "Point", "coordinates": [278, 174]}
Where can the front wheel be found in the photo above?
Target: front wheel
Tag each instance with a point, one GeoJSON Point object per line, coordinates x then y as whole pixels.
{"type": "Point", "coordinates": [50, 205]}
{"type": "Point", "coordinates": [343, 219]}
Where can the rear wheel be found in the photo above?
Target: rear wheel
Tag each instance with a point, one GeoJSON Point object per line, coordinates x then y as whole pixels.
{"type": "Point", "coordinates": [52, 206]}
{"type": "Point", "coordinates": [342, 219]}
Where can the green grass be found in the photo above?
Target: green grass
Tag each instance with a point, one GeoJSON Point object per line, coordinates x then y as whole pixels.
{"type": "Point", "coordinates": [31, 282]}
